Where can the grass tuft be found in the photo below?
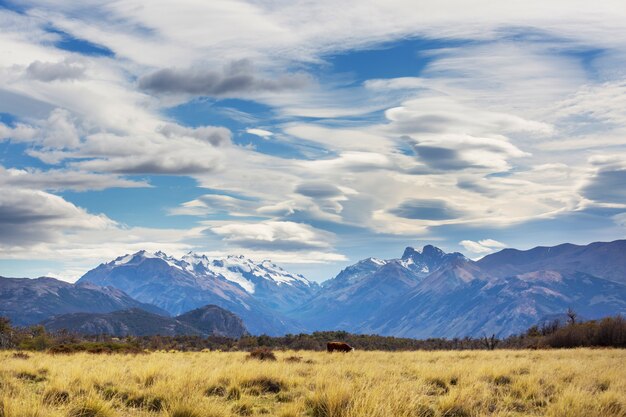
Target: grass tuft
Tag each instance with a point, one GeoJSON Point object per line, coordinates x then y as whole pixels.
{"type": "Point", "coordinates": [55, 397]}
{"type": "Point", "coordinates": [90, 407]}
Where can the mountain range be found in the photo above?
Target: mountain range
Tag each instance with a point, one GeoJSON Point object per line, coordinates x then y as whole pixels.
{"type": "Point", "coordinates": [423, 293]}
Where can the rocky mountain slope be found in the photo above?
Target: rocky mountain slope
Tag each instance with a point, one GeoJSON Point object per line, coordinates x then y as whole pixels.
{"type": "Point", "coordinates": [205, 321]}
{"type": "Point", "coordinates": [28, 301]}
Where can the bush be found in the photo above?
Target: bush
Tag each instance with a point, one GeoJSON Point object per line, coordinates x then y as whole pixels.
{"type": "Point", "coordinates": [262, 354]}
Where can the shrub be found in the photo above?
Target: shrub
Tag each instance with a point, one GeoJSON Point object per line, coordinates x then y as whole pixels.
{"type": "Point", "coordinates": [262, 354]}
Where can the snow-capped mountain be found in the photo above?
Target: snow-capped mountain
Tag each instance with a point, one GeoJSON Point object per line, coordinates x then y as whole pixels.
{"type": "Point", "coordinates": [257, 292]}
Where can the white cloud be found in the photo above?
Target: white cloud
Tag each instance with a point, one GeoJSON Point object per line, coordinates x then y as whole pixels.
{"type": "Point", "coordinates": [265, 134]}
{"type": "Point", "coordinates": [483, 246]}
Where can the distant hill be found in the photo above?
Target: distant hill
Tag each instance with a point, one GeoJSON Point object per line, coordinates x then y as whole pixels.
{"type": "Point", "coordinates": [205, 321]}
{"type": "Point", "coordinates": [29, 301]}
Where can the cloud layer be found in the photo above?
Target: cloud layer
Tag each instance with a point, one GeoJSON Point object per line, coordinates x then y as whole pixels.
{"type": "Point", "coordinates": [493, 120]}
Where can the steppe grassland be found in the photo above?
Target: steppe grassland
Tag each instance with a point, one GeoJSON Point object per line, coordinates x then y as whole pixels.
{"type": "Point", "coordinates": [572, 383]}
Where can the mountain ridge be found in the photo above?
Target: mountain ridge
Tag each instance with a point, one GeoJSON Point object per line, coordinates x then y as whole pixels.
{"type": "Point", "coordinates": [206, 321]}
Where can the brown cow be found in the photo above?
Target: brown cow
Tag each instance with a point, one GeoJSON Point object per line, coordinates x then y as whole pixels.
{"type": "Point", "coordinates": [338, 347]}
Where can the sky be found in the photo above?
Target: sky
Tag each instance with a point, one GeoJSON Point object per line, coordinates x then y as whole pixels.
{"type": "Point", "coordinates": [311, 133]}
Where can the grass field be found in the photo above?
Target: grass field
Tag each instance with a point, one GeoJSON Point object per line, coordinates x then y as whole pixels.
{"type": "Point", "coordinates": [572, 383]}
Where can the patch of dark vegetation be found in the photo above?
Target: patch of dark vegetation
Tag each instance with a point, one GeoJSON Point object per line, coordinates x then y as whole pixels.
{"type": "Point", "coordinates": [146, 402]}
{"type": "Point", "coordinates": [264, 385]}
{"type": "Point", "coordinates": [455, 411]}
{"type": "Point", "coordinates": [293, 359]}
{"type": "Point", "coordinates": [215, 391]}
{"type": "Point", "coordinates": [89, 409]}
{"type": "Point", "coordinates": [55, 397]}
{"type": "Point", "coordinates": [262, 354]}
{"type": "Point", "coordinates": [602, 386]}
{"type": "Point", "coordinates": [437, 386]}
{"type": "Point", "coordinates": [30, 376]}
{"type": "Point", "coordinates": [20, 355]}
{"type": "Point", "coordinates": [502, 380]}
{"type": "Point", "coordinates": [109, 392]}
{"type": "Point", "coordinates": [243, 409]}
{"type": "Point", "coordinates": [234, 393]}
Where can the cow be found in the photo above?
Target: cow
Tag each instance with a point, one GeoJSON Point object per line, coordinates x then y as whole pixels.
{"type": "Point", "coordinates": [338, 347]}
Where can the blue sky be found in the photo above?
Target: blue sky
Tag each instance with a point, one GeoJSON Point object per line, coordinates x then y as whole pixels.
{"type": "Point", "coordinates": [314, 137]}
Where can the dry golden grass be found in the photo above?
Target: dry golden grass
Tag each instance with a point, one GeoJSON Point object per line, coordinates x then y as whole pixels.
{"type": "Point", "coordinates": [572, 383]}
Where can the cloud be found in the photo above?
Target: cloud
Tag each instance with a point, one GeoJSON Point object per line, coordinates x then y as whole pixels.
{"type": "Point", "coordinates": [265, 134]}
{"type": "Point", "coordinates": [425, 209]}
{"type": "Point", "coordinates": [172, 161]}
{"type": "Point", "coordinates": [216, 136]}
{"type": "Point", "coordinates": [482, 246]}
{"type": "Point", "coordinates": [315, 189]}
{"type": "Point", "coordinates": [63, 179]}
{"type": "Point", "coordinates": [216, 203]}
{"type": "Point", "coordinates": [19, 133]}
{"type": "Point", "coordinates": [55, 71]}
{"type": "Point", "coordinates": [278, 235]}
{"type": "Point", "coordinates": [30, 217]}
{"type": "Point", "coordinates": [606, 185]}
{"type": "Point", "coordinates": [236, 79]}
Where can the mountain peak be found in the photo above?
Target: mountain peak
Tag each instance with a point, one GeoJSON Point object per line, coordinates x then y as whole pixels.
{"type": "Point", "coordinates": [430, 250]}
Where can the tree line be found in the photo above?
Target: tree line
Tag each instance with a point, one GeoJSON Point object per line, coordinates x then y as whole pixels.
{"type": "Point", "coordinates": [607, 332]}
